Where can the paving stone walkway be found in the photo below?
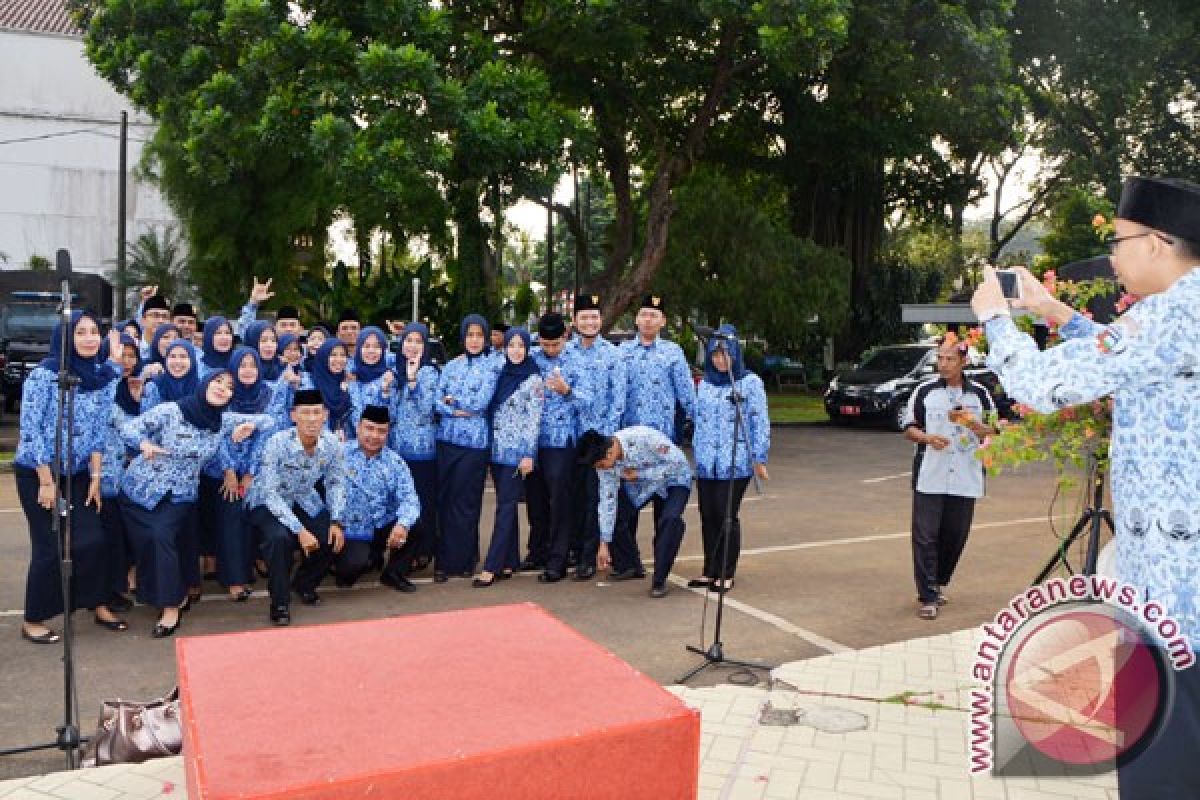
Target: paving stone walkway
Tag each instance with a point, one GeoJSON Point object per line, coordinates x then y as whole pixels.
{"type": "Point", "coordinates": [882, 722]}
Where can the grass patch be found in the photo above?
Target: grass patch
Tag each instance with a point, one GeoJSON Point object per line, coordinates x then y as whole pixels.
{"type": "Point", "coordinates": [796, 407]}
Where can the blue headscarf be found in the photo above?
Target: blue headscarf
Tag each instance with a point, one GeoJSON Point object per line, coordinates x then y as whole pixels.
{"type": "Point", "coordinates": [336, 399]}
{"type": "Point", "coordinates": [172, 389]}
{"type": "Point", "coordinates": [93, 373]}
{"type": "Point", "coordinates": [364, 372]}
{"type": "Point", "coordinates": [468, 321]}
{"type": "Point", "coordinates": [160, 332]}
{"type": "Point", "coordinates": [213, 358]}
{"type": "Point", "coordinates": [197, 410]}
{"type": "Point", "coordinates": [512, 375]}
{"type": "Point", "coordinates": [423, 330]}
{"type": "Point", "coordinates": [125, 399]}
{"type": "Point", "coordinates": [248, 398]}
{"type": "Point", "coordinates": [310, 358]}
{"type": "Point", "coordinates": [272, 368]}
{"type": "Point", "coordinates": [125, 323]}
{"type": "Point", "coordinates": [734, 350]}
{"type": "Point", "coordinates": [286, 339]}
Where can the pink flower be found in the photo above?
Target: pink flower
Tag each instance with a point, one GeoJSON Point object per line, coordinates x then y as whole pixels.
{"type": "Point", "coordinates": [1099, 221]}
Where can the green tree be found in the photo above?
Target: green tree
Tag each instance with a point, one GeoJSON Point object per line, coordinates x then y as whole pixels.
{"type": "Point", "coordinates": [39, 263]}
{"type": "Point", "coordinates": [159, 258]}
{"type": "Point", "coordinates": [1072, 235]}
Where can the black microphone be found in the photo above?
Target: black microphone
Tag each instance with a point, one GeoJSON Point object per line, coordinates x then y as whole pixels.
{"type": "Point", "coordinates": [62, 264]}
{"type": "Point", "coordinates": [705, 332]}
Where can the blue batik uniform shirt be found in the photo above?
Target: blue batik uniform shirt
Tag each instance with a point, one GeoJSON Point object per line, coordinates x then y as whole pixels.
{"type": "Point", "coordinates": [516, 424]}
{"type": "Point", "coordinates": [561, 414]}
{"type": "Point", "coordinates": [659, 464]}
{"type": "Point", "coordinates": [658, 377]}
{"type": "Point", "coordinates": [469, 381]}
{"type": "Point", "coordinates": [414, 431]}
{"type": "Point", "coordinates": [39, 413]}
{"type": "Point", "coordinates": [383, 492]}
{"type": "Point", "coordinates": [713, 441]}
{"type": "Point", "coordinates": [289, 476]}
{"type": "Point", "coordinates": [1149, 362]}
{"type": "Point", "coordinates": [603, 368]}
{"type": "Point", "coordinates": [116, 454]}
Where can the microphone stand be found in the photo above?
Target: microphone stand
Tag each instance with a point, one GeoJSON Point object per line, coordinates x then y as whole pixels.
{"type": "Point", "coordinates": [1091, 520]}
{"type": "Point", "coordinates": [68, 739]}
{"type": "Point", "coordinates": [714, 654]}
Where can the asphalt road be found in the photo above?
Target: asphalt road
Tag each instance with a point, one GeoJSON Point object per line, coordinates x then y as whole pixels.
{"type": "Point", "coordinates": [827, 565]}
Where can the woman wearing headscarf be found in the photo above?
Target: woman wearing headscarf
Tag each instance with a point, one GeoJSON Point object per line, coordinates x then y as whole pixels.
{"type": "Point", "coordinates": [291, 357]}
{"type": "Point", "coordinates": [373, 380]}
{"type": "Point", "coordinates": [132, 329]}
{"type": "Point", "coordinates": [716, 472]}
{"type": "Point", "coordinates": [158, 492]}
{"type": "Point", "coordinates": [125, 407]}
{"type": "Point", "coordinates": [317, 336]}
{"type": "Point", "coordinates": [463, 443]}
{"type": "Point", "coordinates": [177, 380]}
{"type": "Point", "coordinates": [155, 361]}
{"type": "Point", "coordinates": [78, 477]}
{"type": "Point", "coordinates": [218, 345]}
{"type": "Point", "coordinates": [328, 375]}
{"type": "Point", "coordinates": [413, 435]}
{"type": "Point", "coordinates": [515, 412]}
{"type": "Point", "coordinates": [262, 337]}
{"type": "Point", "coordinates": [225, 479]}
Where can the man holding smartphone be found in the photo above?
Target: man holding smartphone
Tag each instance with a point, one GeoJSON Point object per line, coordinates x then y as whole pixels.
{"type": "Point", "coordinates": [947, 418]}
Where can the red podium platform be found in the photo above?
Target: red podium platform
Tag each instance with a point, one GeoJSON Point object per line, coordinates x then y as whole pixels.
{"type": "Point", "coordinates": [503, 702]}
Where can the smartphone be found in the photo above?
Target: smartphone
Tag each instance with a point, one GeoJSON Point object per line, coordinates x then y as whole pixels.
{"type": "Point", "coordinates": [396, 346]}
{"type": "Point", "coordinates": [1010, 283]}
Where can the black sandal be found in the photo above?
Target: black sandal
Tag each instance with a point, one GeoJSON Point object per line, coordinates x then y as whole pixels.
{"type": "Point", "coordinates": [242, 596]}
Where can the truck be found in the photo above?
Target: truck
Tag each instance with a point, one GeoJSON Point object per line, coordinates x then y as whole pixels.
{"type": "Point", "coordinates": [31, 306]}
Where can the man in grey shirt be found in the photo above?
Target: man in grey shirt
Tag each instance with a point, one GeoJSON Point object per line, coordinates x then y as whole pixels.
{"type": "Point", "coordinates": [947, 418]}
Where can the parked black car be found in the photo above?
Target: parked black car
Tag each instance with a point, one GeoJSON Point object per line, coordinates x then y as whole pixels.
{"type": "Point", "coordinates": [25, 328]}
{"type": "Point", "coordinates": [879, 387]}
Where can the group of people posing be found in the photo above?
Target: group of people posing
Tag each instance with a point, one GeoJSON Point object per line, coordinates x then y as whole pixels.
{"type": "Point", "coordinates": [226, 449]}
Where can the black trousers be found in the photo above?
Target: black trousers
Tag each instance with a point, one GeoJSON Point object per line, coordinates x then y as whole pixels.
{"type": "Point", "coordinates": [423, 538]}
{"type": "Point", "coordinates": [461, 474]}
{"type": "Point", "coordinates": [165, 548]}
{"type": "Point", "coordinates": [120, 548]}
{"type": "Point", "coordinates": [504, 550]}
{"type": "Point", "coordinates": [668, 532]}
{"type": "Point", "coordinates": [587, 518]}
{"type": "Point", "coordinates": [208, 522]}
{"type": "Point", "coordinates": [1169, 766]}
{"type": "Point", "coordinates": [940, 524]}
{"type": "Point", "coordinates": [277, 546]}
{"type": "Point", "coordinates": [232, 541]}
{"type": "Point", "coordinates": [548, 495]}
{"type": "Point", "coordinates": [90, 581]}
{"type": "Point", "coordinates": [714, 498]}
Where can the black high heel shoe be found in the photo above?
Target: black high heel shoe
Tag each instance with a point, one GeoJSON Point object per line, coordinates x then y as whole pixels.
{"type": "Point", "coordinates": [111, 624]}
{"type": "Point", "coordinates": [480, 583]}
{"type": "Point", "coordinates": [163, 631]}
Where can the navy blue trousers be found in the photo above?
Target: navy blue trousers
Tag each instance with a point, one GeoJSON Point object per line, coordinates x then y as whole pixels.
{"type": "Point", "coordinates": [224, 524]}
{"type": "Point", "coordinates": [504, 551]}
{"type": "Point", "coordinates": [461, 473]}
{"type": "Point", "coordinates": [120, 548]}
{"type": "Point", "coordinates": [668, 532]}
{"type": "Point", "coordinates": [356, 556]}
{"type": "Point", "coordinates": [90, 585]}
{"type": "Point", "coordinates": [208, 523]}
{"type": "Point", "coordinates": [165, 549]}
{"type": "Point", "coordinates": [548, 494]}
{"type": "Point", "coordinates": [277, 545]}
{"type": "Point", "coordinates": [423, 538]}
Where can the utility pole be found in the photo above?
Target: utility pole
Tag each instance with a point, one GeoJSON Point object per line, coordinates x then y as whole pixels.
{"type": "Point", "coordinates": [550, 254]}
{"type": "Point", "coordinates": [121, 206]}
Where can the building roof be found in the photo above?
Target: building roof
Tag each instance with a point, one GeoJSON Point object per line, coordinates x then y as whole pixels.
{"type": "Point", "coordinates": [37, 16]}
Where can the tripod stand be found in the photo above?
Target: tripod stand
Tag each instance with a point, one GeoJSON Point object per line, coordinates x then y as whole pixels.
{"type": "Point", "coordinates": [68, 739]}
{"type": "Point", "coordinates": [1090, 521]}
{"type": "Point", "coordinates": [714, 654]}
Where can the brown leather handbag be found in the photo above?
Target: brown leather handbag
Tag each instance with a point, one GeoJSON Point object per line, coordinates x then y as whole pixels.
{"type": "Point", "coordinates": [130, 733]}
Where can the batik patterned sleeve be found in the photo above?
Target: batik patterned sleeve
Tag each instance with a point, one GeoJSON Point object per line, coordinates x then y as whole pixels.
{"type": "Point", "coordinates": [270, 478]}
{"type": "Point", "coordinates": [408, 507]}
{"type": "Point", "coordinates": [617, 389]}
{"type": "Point", "coordinates": [145, 426]}
{"type": "Point", "coordinates": [335, 483]}
{"type": "Point", "coordinates": [446, 382]}
{"type": "Point", "coordinates": [38, 417]}
{"type": "Point", "coordinates": [685, 387]}
{"type": "Point", "coordinates": [582, 391]}
{"type": "Point", "coordinates": [1140, 349]}
{"type": "Point", "coordinates": [606, 509]}
{"type": "Point", "coordinates": [1079, 327]}
{"type": "Point", "coordinates": [530, 415]}
{"type": "Point", "coordinates": [150, 397]}
{"type": "Point", "coordinates": [758, 420]}
{"type": "Point", "coordinates": [247, 317]}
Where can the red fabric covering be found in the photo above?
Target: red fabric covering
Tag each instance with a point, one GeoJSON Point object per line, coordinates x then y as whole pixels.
{"type": "Point", "coordinates": [492, 702]}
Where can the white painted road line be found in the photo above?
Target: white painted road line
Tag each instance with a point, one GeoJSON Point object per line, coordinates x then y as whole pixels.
{"type": "Point", "coordinates": [888, 477]}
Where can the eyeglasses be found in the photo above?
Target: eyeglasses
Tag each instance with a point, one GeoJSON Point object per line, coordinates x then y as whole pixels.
{"type": "Point", "coordinates": [1112, 241]}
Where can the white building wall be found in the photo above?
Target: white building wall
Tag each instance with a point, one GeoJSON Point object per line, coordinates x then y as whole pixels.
{"type": "Point", "coordinates": [61, 191]}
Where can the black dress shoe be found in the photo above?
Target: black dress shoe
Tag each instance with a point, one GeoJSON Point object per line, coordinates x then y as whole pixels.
{"type": "Point", "coordinates": [504, 575]}
{"type": "Point", "coordinates": [49, 637]}
{"type": "Point", "coordinates": [310, 598]}
{"type": "Point", "coordinates": [440, 577]}
{"type": "Point", "coordinates": [659, 591]}
{"type": "Point", "coordinates": [112, 624]}
{"type": "Point", "coordinates": [399, 583]}
{"type": "Point", "coordinates": [163, 631]}
{"type": "Point", "coordinates": [119, 603]}
{"type": "Point", "coordinates": [585, 573]}
{"type": "Point", "coordinates": [532, 565]}
{"type": "Point", "coordinates": [480, 583]}
{"type": "Point", "coordinates": [631, 574]}
{"type": "Point", "coordinates": [280, 615]}
{"type": "Point", "coordinates": [550, 577]}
